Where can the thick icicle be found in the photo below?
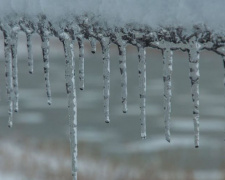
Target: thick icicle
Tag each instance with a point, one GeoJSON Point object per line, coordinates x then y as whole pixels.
{"type": "Point", "coordinates": [8, 76]}
{"type": "Point", "coordinates": [142, 88]}
{"type": "Point", "coordinates": [167, 72]}
{"type": "Point", "coordinates": [72, 101]}
{"type": "Point", "coordinates": [15, 70]}
{"type": "Point", "coordinates": [93, 45]}
{"type": "Point", "coordinates": [81, 62]}
{"type": "Point", "coordinates": [106, 76]}
{"type": "Point", "coordinates": [123, 72]}
{"type": "Point", "coordinates": [45, 52]}
{"type": "Point", "coordinates": [194, 77]}
{"type": "Point", "coordinates": [30, 54]}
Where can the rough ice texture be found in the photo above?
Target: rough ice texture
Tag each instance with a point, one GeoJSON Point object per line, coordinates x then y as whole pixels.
{"type": "Point", "coordinates": [153, 13]}
{"type": "Point", "coordinates": [167, 25]}
{"type": "Point", "coordinates": [92, 28]}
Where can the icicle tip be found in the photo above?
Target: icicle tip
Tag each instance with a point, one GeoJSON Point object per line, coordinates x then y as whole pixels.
{"type": "Point", "coordinates": [49, 102]}
{"type": "Point", "coordinates": [125, 111]}
{"type": "Point", "coordinates": [107, 121]}
{"type": "Point", "coordinates": [168, 140]}
{"type": "Point", "coordinates": [10, 124]}
{"type": "Point", "coordinates": [143, 136]}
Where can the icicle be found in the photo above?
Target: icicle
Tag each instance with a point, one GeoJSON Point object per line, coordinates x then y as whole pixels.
{"type": "Point", "coordinates": [93, 45]}
{"type": "Point", "coordinates": [106, 76]}
{"type": "Point", "coordinates": [167, 72]}
{"type": "Point", "coordinates": [194, 77]}
{"type": "Point", "coordinates": [142, 88]}
{"type": "Point", "coordinates": [30, 54]}
{"type": "Point", "coordinates": [223, 57]}
{"type": "Point", "coordinates": [81, 62]}
{"type": "Point", "coordinates": [45, 52]}
{"type": "Point", "coordinates": [123, 72]}
{"type": "Point", "coordinates": [224, 69]}
{"type": "Point", "coordinates": [8, 75]}
{"type": "Point", "coordinates": [15, 70]}
{"type": "Point", "coordinates": [72, 101]}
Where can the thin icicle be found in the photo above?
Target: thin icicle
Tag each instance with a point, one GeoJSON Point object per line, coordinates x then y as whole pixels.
{"type": "Point", "coordinates": [167, 72]}
{"type": "Point", "coordinates": [123, 72]}
{"type": "Point", "coordinates": [81, 62]}
{"type": "Point", "coordinates": [224, 69]}
{"type": "Point", "coordinates": [8, 76]}
{"type": "Point", "coordinates": [142, 88]}
{"type": "Point", "coordinates": [30, 54]}
{"type": "Point", "coordinates": [45, 52]}
{"type": "Point", "coordinates": [72, 101]}
{"type": "Point", "coordinates": [106, 76]}
{"type": "Point", "coordinates": [223, 57]}
{"type": "Point", "coordinates": [194, 77]}
{"type": "Point", "coordinates": [93, 45]}
{"type": "Point", "coordinates": [15, 70]}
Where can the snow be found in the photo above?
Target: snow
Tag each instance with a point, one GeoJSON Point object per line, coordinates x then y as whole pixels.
{"type": "Point", "coordinates": [150, 12]}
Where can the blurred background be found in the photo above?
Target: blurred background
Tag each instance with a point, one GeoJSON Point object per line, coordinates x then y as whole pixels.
{"type": "Point", "coordinates": [37, 147]}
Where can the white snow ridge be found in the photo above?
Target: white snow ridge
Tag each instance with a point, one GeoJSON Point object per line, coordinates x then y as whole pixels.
{"type": "Point", "coordinates": [168, 25]}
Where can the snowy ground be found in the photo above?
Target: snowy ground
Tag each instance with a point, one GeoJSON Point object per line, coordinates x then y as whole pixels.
{"type": "Point", "coordinates": [51, 161]}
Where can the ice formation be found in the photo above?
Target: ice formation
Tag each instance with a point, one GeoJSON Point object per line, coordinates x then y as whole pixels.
{"type": "Point", "coordinates": [71, 94]}
{"type": "Point", "coordinates": [142, 88]}
{"type": "Point", "coordinates": [167, 72]}
{"type": "Point", "coordinates": [109, 22]}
